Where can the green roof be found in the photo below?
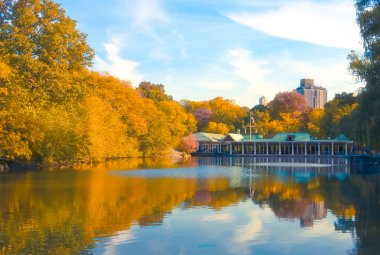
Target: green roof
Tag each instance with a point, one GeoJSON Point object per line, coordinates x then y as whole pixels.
{"type": "Point", "coordinates": [341, 137]}
{"type": "Point", "coordinates": [208, 137]}
{"type": "Point", "coordinates": [283, 137]}
{"type": "Point", "coordinates": [296, 137]}
{"type": "Point", "coordinates": [253, 137]}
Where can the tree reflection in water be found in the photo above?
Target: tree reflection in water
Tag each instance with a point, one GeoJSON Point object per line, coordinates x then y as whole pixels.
{"type": "Point", "coordinates": [63, 212]}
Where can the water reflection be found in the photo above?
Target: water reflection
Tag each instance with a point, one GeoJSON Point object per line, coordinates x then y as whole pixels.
{"type": "Point", "coordinates": [207, 205]}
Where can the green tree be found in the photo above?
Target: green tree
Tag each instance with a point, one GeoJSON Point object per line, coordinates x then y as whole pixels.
{"type": "Point", "coordinates": [260, 108]}
{"type": "Point", "coordinates": [367, 68]}
{"type": "Point", "coordinates": [337, 112]}
{"type": "Point", "coordinates": [261, 122]}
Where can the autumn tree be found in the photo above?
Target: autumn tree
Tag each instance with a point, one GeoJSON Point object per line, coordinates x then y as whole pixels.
{"type": "Point", "coordinates": [179, 122]}
{"type": "Point", "coordinates": [52, 108]}
{"type": "Point", "coordinates": [218, 110]}
{"type": "Point", "coordinates": [143, 126]}
{"type": "Point", "coordinates": [156, 92]}
{"type": "Point", "coordinates": [44, 48]}
{"type": "Point", "coordinates": [291, 122]}
{"type": "Point", "coordinates": [313, 123]}
{"type": "Point", "coordinates": [287, 102]}
{"type": "Point", "coordinates": [45, 60]}
{"type": "Point", "coordinates": [285, 113]}
{"type": "Point", "coordinates": [112, 124]}
{"type": "Point", "coordinates": [225, 111]}
{"type": "Point", "coordinates": [188, 143]}
{"type": "Point", "coordinates": [219, 128]}
{"type": "Point", "coordinates": [203, 116]}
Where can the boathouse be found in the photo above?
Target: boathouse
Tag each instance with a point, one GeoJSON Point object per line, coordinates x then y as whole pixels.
{"type": "Point", "coordinates": [279, 144]}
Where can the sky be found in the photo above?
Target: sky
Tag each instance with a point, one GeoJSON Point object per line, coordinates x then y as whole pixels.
{"type": "Point", "coordinates": [241, 50]}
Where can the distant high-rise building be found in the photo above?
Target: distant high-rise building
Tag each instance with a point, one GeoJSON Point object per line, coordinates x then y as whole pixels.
{"type": "Point", "coordinates": [316, 97]}
{"type": "Point", "coordinates": [263, 101]}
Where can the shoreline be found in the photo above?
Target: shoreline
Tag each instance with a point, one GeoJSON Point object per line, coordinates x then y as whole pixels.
{"type": "Point", "coordinates": [24, 165]}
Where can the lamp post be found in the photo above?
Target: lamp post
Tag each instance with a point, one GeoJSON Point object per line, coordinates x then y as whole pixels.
{"type": "Point", "coordinates": [251, 121]}
{"type": "Point", "coordinates": [250, 126]}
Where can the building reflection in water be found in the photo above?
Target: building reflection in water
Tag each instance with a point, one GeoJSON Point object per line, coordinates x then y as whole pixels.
{"type": "Point", "coordinates": [285, 170]}
{"type": "Point", "coordinates": [314, 211]}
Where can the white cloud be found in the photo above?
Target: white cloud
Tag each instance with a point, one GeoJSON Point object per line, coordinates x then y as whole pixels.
{"type": "Point", "coordinates": [249, 231]}
{"type": "Point", "coordinates": [269, 77]}
{"type": "Point", "coordinates": [246, 234]}
{"type": "Point", "coordinates": [116, 65]}
{"type": "Point", "coordinates": [331, 25]}
{"type": "Point", "coordinates": [146, 15]}
{"type": "Point", "coordinates": [239, 76]}
{"type": "Point", "coordinates": [246, 77]}
{"type": "Point", "coordinates": [254, 72]}
{"type": "Point", "coordinates": [121, 237]}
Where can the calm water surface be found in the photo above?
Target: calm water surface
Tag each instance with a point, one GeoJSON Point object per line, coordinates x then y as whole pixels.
{"type": "Point", "coordinates": [204, 206]}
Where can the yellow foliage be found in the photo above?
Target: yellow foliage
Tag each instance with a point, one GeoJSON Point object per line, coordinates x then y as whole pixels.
{"type": "Point", "coordinates": [288, 122]}
{"type": "Point", "coordinates": [178, 121]}
{"type": "Point", "coordinates": [291, 122]}
{"type": "Point", "coordinates": [5, 70]}
{"type": "Point", "coordinates": [223, 111]}
{"type": "Point", "coordinates": [219, 128]}
{"type": "Point", "coordinates": [12, 145]}
{"type": "Point", "coordinates": [290, 194]}
{"type": "Point", "coordinates": [275, 126]}
{"type": "Point", "coordinates": [313, 184]}
{"type": "Point", "coordinates": [59, 141]}
{"type": "Point", "coordinates": [346, 211]}
{"type": "Point", "coordinates": [105, 132]}
{"type": "Point", "coordinates": [4, 91]}
{"type": "Point", "coordinates": [314, 122]}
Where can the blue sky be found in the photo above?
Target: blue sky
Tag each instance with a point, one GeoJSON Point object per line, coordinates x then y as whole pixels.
{"type": "Point", "coordinates": [236, 49]}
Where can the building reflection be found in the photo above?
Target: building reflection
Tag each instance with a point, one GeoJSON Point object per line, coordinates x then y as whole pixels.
{"type": "Point", "coordinates": [313, 211]}
{"type": "Point", "coordinates": [316, 164]}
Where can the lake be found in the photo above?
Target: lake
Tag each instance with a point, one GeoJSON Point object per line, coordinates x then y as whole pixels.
{"type": "Point", "coordinates": [201, 206]}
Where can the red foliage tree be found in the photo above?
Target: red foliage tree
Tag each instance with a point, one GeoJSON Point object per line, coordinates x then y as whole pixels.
{"type": "Point", "coordinates": [287, 102]}
{"type": "Point", "coordinates": [189, 143]}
